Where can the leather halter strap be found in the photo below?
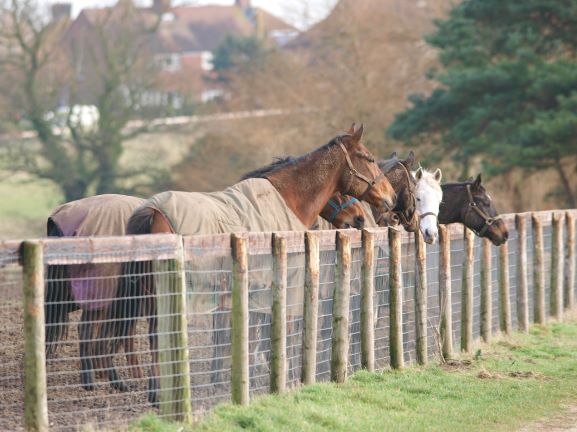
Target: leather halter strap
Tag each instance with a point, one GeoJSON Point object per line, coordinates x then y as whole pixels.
{"type": "Point", "coordinates": [354, 173]}
{"type": "Point", "coordinates": [487, 220]}
{"type": "Point", "coordinates": [424, 215]}
{"type": "Point", "coordinates": [338, 208]}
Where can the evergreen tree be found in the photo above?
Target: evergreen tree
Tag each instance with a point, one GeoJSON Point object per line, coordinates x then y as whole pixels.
{"type": "Point", "coordinates": [508, 88]}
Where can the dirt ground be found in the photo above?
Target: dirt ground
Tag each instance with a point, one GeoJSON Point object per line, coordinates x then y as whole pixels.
{"type": "Point", "coordinates": [566, 421]}
{"type": "Point", "coordinates": [70, 407]}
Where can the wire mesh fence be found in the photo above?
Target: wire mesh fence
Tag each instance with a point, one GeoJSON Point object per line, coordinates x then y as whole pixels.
{"type": "Point", "coordinates": [127, 318]}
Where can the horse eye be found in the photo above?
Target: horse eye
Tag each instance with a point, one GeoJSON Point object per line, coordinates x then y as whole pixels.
{"type": "Point", "coordinates": [419, 199]}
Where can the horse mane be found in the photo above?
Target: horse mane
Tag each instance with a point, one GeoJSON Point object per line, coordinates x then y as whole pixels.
{"type": "Point", "coordinates": [281, 162]}
{"type": "Point", "coordinates": [463, 183]}
{"type": "Point", "coordinates": [277, 163]}
{"type": "Point", "coordinates": [387, 164]}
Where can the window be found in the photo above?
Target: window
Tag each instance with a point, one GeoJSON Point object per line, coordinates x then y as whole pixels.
{"type": "Point", "coordinates": [206, 61]}
{"type": "Point", "coordinates": [169, 62]}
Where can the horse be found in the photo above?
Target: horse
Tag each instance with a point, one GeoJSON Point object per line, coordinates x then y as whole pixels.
{"type": "Point", "coordinates": [469, 203]}
{"type": "Point", "coordinates": [89, 287]}
{"type": "Point", "coordinates": [397, 171]}
{"type": "Point", "coordinates": [289, 198]}
{"type": "Point", "coordinates": [341, 211]}
{"type": "Point", "coordinates": [429, 195]}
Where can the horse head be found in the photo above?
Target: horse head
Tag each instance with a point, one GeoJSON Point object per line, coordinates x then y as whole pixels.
{"type": "Point", "coordinates": [361, 176]}
{"type": "Point", "coordinates": [428, 194]}
{"type": "Point", "coordinates": [344, 211]}
{"type": "Point", "coordinates": [398, 172]}
{"type": "Point", "coordinates": [480, 214]}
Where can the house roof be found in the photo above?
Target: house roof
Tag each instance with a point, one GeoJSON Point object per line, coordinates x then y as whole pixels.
{"type": "Point", "coordinates": [203, 28]}
{"type": "Point", "coordinates": [196, 28]}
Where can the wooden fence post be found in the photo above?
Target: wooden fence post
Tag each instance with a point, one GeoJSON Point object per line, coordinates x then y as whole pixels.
{"type": "Point", "coordinates": [421, 298]}
{"type": "Point", "coordinates": [341, 300]}
{"type": "Point", "coordinates": [538, 271]}
{"type": "Point", "coordinates": [522, 290]}
{"type": "Point", "coordinates": [396, 301]}
{"type": "Point", "coordinates": [467, 293]}
{"type": "Point", "coordinates": [569, 280]}
{"type": "Point", "coordinates": [504, 290]}
{"type": "Point", "coordinates": [35, 397]}
{"type": "Point", "coordinates": [367, 293]}
{"type": "Point", "coordinates": [310, 308]}
{"type": "Point", "coordinates": [278, 324]}
{"type": "Point", "coordinates": [557, 267]}
{"type": "Point", "coordinates": [446, 321]}
{"type": "Point", "coordinates": [239, 339]}
{"type": "Point", "coordinates": [486, 292]}
{"type": "Point", "coordinates": [170, 283]}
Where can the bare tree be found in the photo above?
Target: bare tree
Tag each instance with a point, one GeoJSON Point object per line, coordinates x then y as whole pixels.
{"type": "Point", "coordinates": [101, 59]}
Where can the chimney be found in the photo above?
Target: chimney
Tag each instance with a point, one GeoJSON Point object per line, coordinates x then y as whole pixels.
{"type": "Point", "coordinates": [60, 11]}
{"type": "Point", "coordinates": [161, 6]}
{"type": "Point", "coordinates": [244, 5]}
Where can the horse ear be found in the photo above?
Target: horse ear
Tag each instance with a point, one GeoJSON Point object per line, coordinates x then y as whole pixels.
{"type": "Point", "coordinates": [477, 182]}
{"type": "Point", "coordinates": [357, 135]}
{"type": "Point", "coordinates": [419, 174]}
{"type": "Point", "coordinates": [410, 159]}
{"type": "Point", "coordinates": [393, 155]}
{"type": "Point", "coordinates": [351, 129]}
{"type": "Point", "coordinates": [438, 175]}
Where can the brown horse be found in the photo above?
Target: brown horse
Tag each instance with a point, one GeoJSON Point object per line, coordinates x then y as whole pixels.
{"type": "Point", "coordinates": [300, 189]}
{"type": "Point", "coordinates": [470, 204]}
{"type": "Point", "coordinates": [89, 287]}
{"type": "Point", "coordinates": [341, 211]}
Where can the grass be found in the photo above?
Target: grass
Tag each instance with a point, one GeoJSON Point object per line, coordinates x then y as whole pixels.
{"type": "Point", "coordinates": [503, 387]}
{"type": "Point", "coordinates": [24, 207]}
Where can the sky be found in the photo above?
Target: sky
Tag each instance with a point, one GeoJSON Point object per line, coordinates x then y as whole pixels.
{"type": "Point", "coordinates": [301, 13]}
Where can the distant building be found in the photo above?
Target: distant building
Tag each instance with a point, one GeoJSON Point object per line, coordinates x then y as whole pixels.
{"type": "Point", "coordinates": [181, 46]}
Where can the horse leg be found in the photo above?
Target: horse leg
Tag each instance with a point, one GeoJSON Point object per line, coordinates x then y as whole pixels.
{"type": "Point", "coordinates": [132, 356]}
{"type": "Point", "coordinates": [153, 379]}
{"type": "Point", "coordinates": [86, 366]}
{"type": "Point", "coordinates": [220, 321]}
{"type": "Point", "coordinates": [98, 359]}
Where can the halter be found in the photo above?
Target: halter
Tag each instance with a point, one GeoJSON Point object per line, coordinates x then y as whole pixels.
{"type": "Point", "coordinates": [487, 220]}
{"type": "Point", "coordinates": [424, 215]}
{"type": "Point", "coordinates": [354, 173]}
{"type": "Point", "coordinates": [338, 208]}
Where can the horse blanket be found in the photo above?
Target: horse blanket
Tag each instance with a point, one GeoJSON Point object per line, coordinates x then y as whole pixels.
{"type": "Point", "coordinates": [251, 205]}
{"type": "Point", "coordinates": [93, 286]}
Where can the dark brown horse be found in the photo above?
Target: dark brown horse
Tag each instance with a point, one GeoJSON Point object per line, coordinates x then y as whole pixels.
{"type": "Point", "coordinates": [398, 172]}
{"type": "Point", "coordinates": [89, 287]}
{"type": "Point", "coordinates": [470, 204]}
{"type": "Point", "coordinates": [343, 166]}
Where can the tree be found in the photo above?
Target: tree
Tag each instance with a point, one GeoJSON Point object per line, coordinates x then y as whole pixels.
{"type": "Point", "coordinates": [101, 60]}
{"type": "Point", "coordinates": [508, 88]}
{"type": "Point", "coordinates": [235, 53]}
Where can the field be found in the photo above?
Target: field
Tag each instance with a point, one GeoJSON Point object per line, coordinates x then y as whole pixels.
{"type": "Point", "coordinates": [24, 207]}
{"type": "Point", "coordinates": [504, 386]}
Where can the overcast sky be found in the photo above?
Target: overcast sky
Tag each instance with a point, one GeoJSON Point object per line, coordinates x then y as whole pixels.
{"type": "Point", "coordinates": [301, 13]}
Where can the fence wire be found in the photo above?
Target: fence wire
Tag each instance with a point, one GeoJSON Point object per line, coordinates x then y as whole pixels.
{"type": "Point", "coordinates": [90, 290]}
{"type": "Point", "coordinates": [12, 346]}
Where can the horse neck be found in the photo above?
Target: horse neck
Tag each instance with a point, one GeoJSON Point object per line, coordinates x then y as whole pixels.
{"type": "Point", "coordinates": [395, 178]}
{"type": "Point", "coordinates": [452, 205]}
{"type": "Point", "coordinates": [307, 184]}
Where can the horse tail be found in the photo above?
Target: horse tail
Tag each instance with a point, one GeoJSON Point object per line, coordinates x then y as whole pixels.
{"type": "Point", "coordinates": [135, 278]}
{"type": "Point", "coordinates": [58, 300]}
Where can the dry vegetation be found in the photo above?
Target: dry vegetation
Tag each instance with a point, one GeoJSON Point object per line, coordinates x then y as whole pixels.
{"type": "Point", "coordinates": [360, 64]}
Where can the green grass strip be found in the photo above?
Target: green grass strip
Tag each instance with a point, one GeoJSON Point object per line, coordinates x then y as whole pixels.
{"type": "Point", "coordinates": [501, 387]}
